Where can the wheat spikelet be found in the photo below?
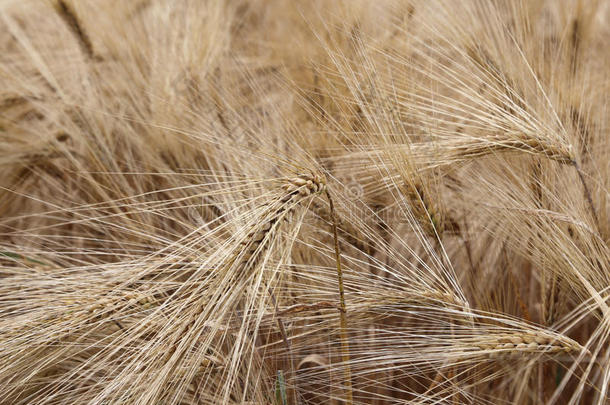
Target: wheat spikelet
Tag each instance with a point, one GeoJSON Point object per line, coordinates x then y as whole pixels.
{"type": "Point", "coordinates": [295, 190]}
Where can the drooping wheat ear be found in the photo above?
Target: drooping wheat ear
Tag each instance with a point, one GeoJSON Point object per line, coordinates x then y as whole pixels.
{"type": "Point", "coordinates": [533, 342]}
{"type": "Point", "coordinates": [296, 190]}
{"type": "Point", "coordinates": [426, 211]}
{"type": "Point", "coordinates": [446, 151]}
{"type": "Point", "coordinates": [248, 253]}
{"type": "Point", "coordinates": [90, 308]}
{"type": "Point", "coordinates": [106, 305]}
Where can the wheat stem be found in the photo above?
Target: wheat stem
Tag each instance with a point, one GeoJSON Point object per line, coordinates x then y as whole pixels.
{"type": "Point", "coordinates": [586, 191]}
{"type": "Point", "coordinates": [68, 15]}
{"type": "Point", "coordinates": [343, 312]}
{"type": "Point", "coordinates": [280, 325]}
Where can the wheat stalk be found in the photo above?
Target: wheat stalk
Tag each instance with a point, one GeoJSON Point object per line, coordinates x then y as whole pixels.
{"type": "Point", "coordinates": [68, 15]}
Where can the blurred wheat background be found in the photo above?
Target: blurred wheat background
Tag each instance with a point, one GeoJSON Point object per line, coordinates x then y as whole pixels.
{"type": "Point", "coordinates": [304, 202]}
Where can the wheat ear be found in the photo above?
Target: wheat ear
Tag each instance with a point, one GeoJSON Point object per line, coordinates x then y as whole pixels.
{"type": "Point", "coordinates": [247, 256]}
{"type": "Point", "coordinates": [535, 341]}
{"type": "Point", "coordinates": [296, 190]}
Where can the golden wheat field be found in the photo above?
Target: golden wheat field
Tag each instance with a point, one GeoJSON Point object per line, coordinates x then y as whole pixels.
{"type": "Point", "coordinates": [305, 202]}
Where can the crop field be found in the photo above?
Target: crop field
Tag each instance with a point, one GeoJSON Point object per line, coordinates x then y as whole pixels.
{"type": "Point", "coordinates": [285, 202]}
